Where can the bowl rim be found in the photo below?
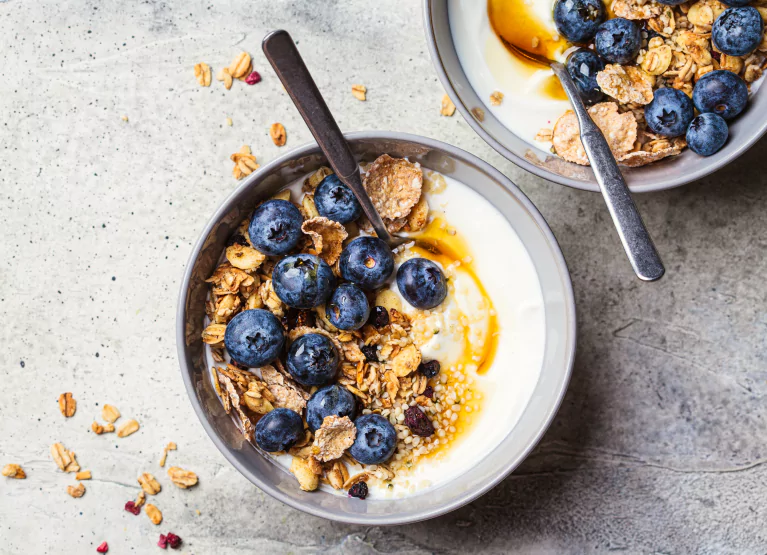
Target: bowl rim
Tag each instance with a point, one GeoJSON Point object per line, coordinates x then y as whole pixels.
{"type": "Point", "coordinates": [660, 185]}
{"type": "Point", "coordinates": [465, 157]}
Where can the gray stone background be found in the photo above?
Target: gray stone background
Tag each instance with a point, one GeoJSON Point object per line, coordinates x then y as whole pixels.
{"type": "Point", "coordinates": [658, 448]}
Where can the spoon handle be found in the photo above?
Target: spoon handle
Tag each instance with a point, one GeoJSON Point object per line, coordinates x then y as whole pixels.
{"type": "Point", "coordinates": [282, 53]}
{"type": "Point", "coordinates": [636, 240]}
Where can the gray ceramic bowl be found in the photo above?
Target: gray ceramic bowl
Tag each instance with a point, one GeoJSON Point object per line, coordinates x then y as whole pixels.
{"type": "Point", "coordinates": [665, 174]}
{"type": "Point", "coordinates": [559, 315]}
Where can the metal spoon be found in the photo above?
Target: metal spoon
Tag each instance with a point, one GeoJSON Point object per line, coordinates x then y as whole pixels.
{"type": "Point", "coordinates": [282, 53]}
{"type": "Point", "coordinates": [633, 234]}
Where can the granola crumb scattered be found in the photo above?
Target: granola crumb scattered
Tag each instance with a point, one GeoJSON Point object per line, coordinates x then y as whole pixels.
{"type": "Point", "coordinates": [83, 475]}
{"type": "Point", "coordinates": [226, 77]}
{"type": "Point", "coordinates": [244, 162]}
{"type": "Point", "coordinates": [182, 478]}
{"type": "Point", "coordinates": [229, 122]}
{"type": "Point", "coordinates": [240, 66]}
{"type": "Point", "coordinates": [154, 514]}
{"type": "Point", "coordinates": [360, 92]}
{"type": "Point", "coordinates": [278, 135]}
{"type": "Point", "coordinates": [67, 405]}
{"type": "Point", "coordinates": [149, 484]}
{"type": "Point", "coordinates": [496, 99]}
{"type": "Point", "coordinates": [447, 108]}
{"type": "Point", "coordinates": [14, 471]}
{"type": "Point", "coordinates": [202, 73]}
{"type": "Point", "coordinates": [128, 428]}
{"type": "Point", "coordinates": [76, 491]}
{"type": "Point", "coordinates": [307, 479]}
{"type": "Point", "coordinates": [98, 429]}
{"type": "Point", "coordinates": [110, 413]}
{"type": "Point", "coordinates": [170, 447]}
{"type": "Point", "coordinates": [64, 459]}
{"type": "Point", "coordinates": [124, 118]}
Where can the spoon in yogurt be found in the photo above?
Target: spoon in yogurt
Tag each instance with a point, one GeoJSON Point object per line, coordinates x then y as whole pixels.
{"type": "Point", "coordinates": [633, 234]}
{"type": "Point", "coordinates": [282, 53]}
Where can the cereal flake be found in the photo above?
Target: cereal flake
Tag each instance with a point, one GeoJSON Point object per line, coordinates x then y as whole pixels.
{"type": "Point", "coordinates": [334, 437]}
{"type": "Point", "coordinates": [328, 237]}
{"type": "Point", "coordinates": [627, 84]}
{"type": "Point", "coordinates": [394, 186]}
{"type": "Point", "coordinates": [620, 130]}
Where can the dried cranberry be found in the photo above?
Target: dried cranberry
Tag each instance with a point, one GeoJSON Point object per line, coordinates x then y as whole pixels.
{"type": "Point", "coordinates": [163, 541]}
{"type": "Point", "coordinates": [418, 422]}
{"type": "Point", "coordinates": [253, 78]}
{"type": "Point", "coordinates": [131, 507]}
{"type": "Point", "coordinates": [370, 352]}
{"type": "Point", "coordinates": [103, 548]}
{"type": "Point", "coordinates": [429, 369]}
{"type": "Point", "coordinates": [379, 317]}
{"type": "Point", "coordinates": [173, 540]}
{"type": "Point", "coordinates": [428, 392]}
{"type": "Point", "coordinates": [359, 490]}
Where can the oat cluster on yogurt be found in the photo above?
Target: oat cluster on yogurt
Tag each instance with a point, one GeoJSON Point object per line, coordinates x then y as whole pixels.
{"type": "Point", "coordinates": [315, 355]}
{"type": "Point", "coordinates": [661, 76]}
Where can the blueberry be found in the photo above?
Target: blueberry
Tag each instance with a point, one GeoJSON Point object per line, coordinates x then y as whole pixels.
{"type": "Point", "coordinates": [376, 439]}
{"type": "Point", "coordinates": [583, 66]}
{"type": "Point", "coordinates": [335, 201]}
{"type": "Point", "coordinates": [279, 430]}
{"type": "Point", "coordinates": [738, 31]}
{"type": "Point", "coordinates": [721, 92]}
{"type": "Point", "coordinates": [254, 338]}
{"type": "Point", "coordinates": [737, 3]}
{"type": "Point", "coordinates": [348, 308]}
{"type": "Point", "coordinates": [422, 283]}
{"type": "Point", "coordinates": [275, 227]}
{"type": "Point", "coordinates": [303, 280]}
{"type": "Point", "coordinates": [331, 400]}
{"type": "Point", "coordinates": [313, 360]}
{"type": "Point", "coordinates": [707, 134]}
{"type": "Point", "coordinates": [367, 261]}
{"type": "Point", "coordinates": [669, 113]}
{"type": "Point", "coordinates": [618, 40]}
{"type": "Point", "coordinates": [671, 2]}
{"type": "Point", "coordinates": [578, 20]}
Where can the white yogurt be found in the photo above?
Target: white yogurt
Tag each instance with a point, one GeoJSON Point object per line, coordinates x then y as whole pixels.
{"type": "Point", "coordinates": [508, 276]}
{"type": "Point", "coordinates": [490, 67]}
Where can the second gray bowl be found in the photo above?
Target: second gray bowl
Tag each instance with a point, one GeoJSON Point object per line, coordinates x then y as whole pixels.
{"type": "Point", "coordinates": [748, 128]}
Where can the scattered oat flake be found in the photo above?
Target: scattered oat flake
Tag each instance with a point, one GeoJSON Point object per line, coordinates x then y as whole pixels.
{"type": "Point", "coordinates": [334, 437]}
{"type": "Point", "coordinates": [103, 548]}
{"type": "Point", "coordinates": [277, 133]}
{"type": "Point", "coordinates": [620, 131]}
{"type": "Point", "coordinates": [360, 92]}
{"type": "Point", "coordinates": [496, 99]}
{"type": "Point", "coordinates": [447, 108]}
{"type": "Point", "coordinates": [64, 459]}
{"type": "Point", "coordinates": [67, 404]}
{"type": "Point", "coordinates": [182, 478]}
{"type": "Point", "coordinates": [226, 77]}
{"type": "Point", "coordinates": [406, 361]}
{"type": "Point", "coordinates": [170, 447]}
{"type": "Point", "coordinates": [76, 491]}
{"type": "Point", "coordinates": [128, 428]}
{"type": "Point", "coordinates": [98, 429]}
{"type": "Point", "coordinates": [544, 135]}
{"type": "Point", "coordinates": [154, 514]}
{"type": "Point", "coordinates": [229, 122]}
{"type": "Point", "coordinates": [110, 413]}
{"type": "Point", "coordinates": [124, 118]}
{"type": "Point", "coordinates": [14, 471]}
{"type": "Point", "coordinates": [149, 484]}
{"type": "Point", "coordinates": [394, 186]}
{"type": "Point", "coordinates": [240, 66]}
{"type": "Point", "coordinates": [83, 475]}
{"type": "Point", "coordinates": [328, 237]}
{"type": "Point", "coordinates": [202, 73]}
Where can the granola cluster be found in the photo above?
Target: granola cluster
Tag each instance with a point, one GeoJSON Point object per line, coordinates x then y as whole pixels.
{"type": "Point", "coordinates": [677, 50]}
{"type": "Point", "coordinates": [380, 364]}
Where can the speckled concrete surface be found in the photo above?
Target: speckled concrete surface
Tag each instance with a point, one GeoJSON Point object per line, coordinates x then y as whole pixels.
{"type": "Point", "coordinates": [658, 448]}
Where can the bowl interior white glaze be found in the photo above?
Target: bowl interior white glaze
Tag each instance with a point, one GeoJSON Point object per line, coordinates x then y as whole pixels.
{"type": "Point", "coordinates": [548, 392]}
{"type": "Point", "coordinates": [745, 130]}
